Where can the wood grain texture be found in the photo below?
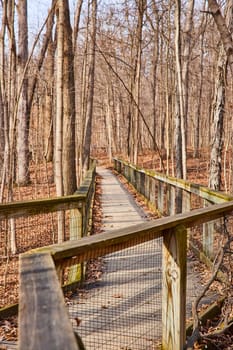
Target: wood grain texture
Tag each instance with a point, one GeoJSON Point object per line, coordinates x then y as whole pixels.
{"type": "Point", "coordinates": [90, 247]}
{"type": "Point", "coordinates": [43, 318]}
{"type": "Point", "coordinates": [174, 289]}
{"type": "Point", "coordinates": [199, 190]}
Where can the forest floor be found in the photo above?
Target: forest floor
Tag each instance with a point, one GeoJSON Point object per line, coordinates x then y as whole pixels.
{"type": "Point", "coordinates": [42, 186]}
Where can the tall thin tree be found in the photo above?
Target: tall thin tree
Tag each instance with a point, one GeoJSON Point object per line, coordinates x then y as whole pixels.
{"type": "Point", "coordinates": [23, 174]}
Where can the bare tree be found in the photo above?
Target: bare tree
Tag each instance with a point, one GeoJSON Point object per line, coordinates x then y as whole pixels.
{"type": "Point", "coordinates": [223, 31]}
{"type": "Point", "coordinates": [59, 113]}
{"type": "Point", "coordinates": [218, 109]}
{"type": "Point", "coordinates": [23, 174]}
{"type": "Point", "coordinates": [90, 93]}
{"type": "Point", "coordinates": [68, 154]}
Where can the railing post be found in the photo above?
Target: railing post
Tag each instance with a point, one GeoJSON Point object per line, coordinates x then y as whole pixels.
{"type": "Point", "coordinates": [147, 187]}
{"type": "Point", "coordinates": [142, 183]}
{"type": "Point", "coordinates": [174, 288]}
{"type": "Point", "coordinates": [126, 171]}
{"type": "Point", "coordinates": [133, 176]}
{"type": "Point", "coordinates": [152, 191]}
{"type": "Point", "coordinates": [138, 181]}
{"type": "Point", "coordinates": [186, 202]}
{"type": "Point", "coordinates": [208, 235]}
{"type": "Point", "coordinates": [171, 200]}
{"type": "Point", "coordinates": [76, 272]}
{"type": "Point", "coordinates": [160, 197]}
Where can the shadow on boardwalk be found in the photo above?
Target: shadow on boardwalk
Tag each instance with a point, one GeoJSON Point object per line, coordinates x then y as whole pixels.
{"type": "Point", "coordinates": [123, 309]}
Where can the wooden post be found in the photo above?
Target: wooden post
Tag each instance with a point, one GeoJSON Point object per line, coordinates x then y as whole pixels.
{"type": "Point", "coordinates": [152, 191]}
{"type": "Point", "coordinates": [133, 177]}
{"type": "Point", "coordinates": [186, 202]}
{"type": "Point", "coordinates": [147, 187]}
{"type": "Point", "coordinates": [76, 232]}
{"type": "Point", "coordinates": [171, 194]}
{"type": "Point", "coordinates": [174, 288]}
{"type": "Point", "coordinates": [43, 317]}
{"type": "Point", "coordinates": [186, 207]}
{"type": "Point", "coordinates": [142, 183]}
{"type": "Point", "coordinates": [138, 181]}
{"type": "Point", "coordinates": [160, 197]}
{"type": "Point", "coordinates": [115, 164]}
{"type": "Point", "coordinates": [208, 235]}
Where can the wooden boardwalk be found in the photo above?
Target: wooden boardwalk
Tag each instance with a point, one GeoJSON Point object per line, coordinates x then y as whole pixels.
{"type": "Point", "coordinates": [122, 310]}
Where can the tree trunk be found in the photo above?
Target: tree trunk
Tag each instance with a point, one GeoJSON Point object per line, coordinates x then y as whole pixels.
{"type": "Point", "coordinates": [23, 175]}
{"type": "Point", "coordinates": [224, 32]}
{"type": "Point", "coordinates": [49, 96]}
{"type": "Point", "coordinates": [179, 129]}
{"type": "Point", "coordinates": [59, 114]}
{"type": "Point", "coordinates": [90, 94]}
{"type": "Point", "coordinates": [136, 83]}
{"type": "Point", "coordinates": [68, 156]}
{"type": "Point", "coordinates": [185, 65]}
{"type": "Point", "coordinates": [219, 110]}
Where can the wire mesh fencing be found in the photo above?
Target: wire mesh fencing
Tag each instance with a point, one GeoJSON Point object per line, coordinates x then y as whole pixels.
{"type": "Point", "coordinates": [18, 235]}
{"type": "Point", "coordinates": [119, 305]}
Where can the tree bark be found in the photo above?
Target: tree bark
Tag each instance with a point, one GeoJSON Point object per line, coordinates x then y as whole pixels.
{"type": "Point", "coordinates": [218, 110]}
{"type": "Point", "coordinates": [90, 94]}
{"type": "Point", "coordinates": [180, 127]}
{"type": "Point", "coordinates": [49, 96]}
{"type": "Point", "coordinates": [223, 31]}
{"type": "Point", "coordinates": [68, 154]}
{"type": "Point", "coordinates": [23, 174]}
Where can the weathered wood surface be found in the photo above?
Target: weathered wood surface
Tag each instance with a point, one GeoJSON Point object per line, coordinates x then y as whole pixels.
{"type": "Point", "coordinates": [174, 288]}
{"type": "Point", "coordinates": [199, 190]}
{"type": "Point", "coordinates": [43, 317]}
{"type": "Point", "coordinates": [39, 206]}
{"type": "Point", "coordinates": [146, 231]}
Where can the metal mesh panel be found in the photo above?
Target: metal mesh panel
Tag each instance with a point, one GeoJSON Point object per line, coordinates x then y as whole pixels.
{"type": "Point", "coordinates": [119, 306]}
{"type": "Point", "coordinates": [22, 234]}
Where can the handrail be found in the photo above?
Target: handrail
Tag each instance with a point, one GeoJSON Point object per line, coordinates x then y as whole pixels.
{"type": "Point", "coordinates": [47, 205]}
{"type": "Point", "coordinates": [173, 230]}
{"type": "Point", "coordinates": [78, 221]}
{"type": "Point", "coordinates": [41, 296]}
{"type": "Point", "coordinates": [146, 182]}
{"type": "Point", "coordinates": [146, 230]}
{"type": "Point", "coordinates": [40, 206]}
{"type": "Point", "coordinates": [199, 190]}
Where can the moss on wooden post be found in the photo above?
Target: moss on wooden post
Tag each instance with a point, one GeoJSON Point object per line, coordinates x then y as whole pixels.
{"type": "Point", "coordinates": [174, 288]}
{"type": "Point", "coordinates": [76, 232]}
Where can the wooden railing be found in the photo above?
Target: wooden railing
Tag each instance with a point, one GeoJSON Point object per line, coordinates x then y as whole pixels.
{"type": "Point", "coordinates": [170, 195]}
{"type": "Point", "coordinates": [42, 308]}
{"type": "Point", "coordinates": [38, 269]}
{"type": "Point", "coordinates": [78, 208]}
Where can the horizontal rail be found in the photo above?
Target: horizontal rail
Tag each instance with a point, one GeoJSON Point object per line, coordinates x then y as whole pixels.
{"type": "Point", "coordinates": [146, 231]}
{"type": "Point", "coordinates": [39, 206]}
{"type": "Point", "coordinates": [199, 190]}
{"type": "Point", "coordinates": [14, 216]}
{"type": "Point", "coordinates": [41, 296]}
{"type": "Point", "coordinates": [47, 205]}
{"type": "Point", "coordinates": [173, 230]}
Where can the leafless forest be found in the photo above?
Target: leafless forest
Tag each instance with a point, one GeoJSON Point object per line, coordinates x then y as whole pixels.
{"type": "Point", "coordinates": [129, 78]}
{"type": "Point", "coordinates": [150, 81]}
